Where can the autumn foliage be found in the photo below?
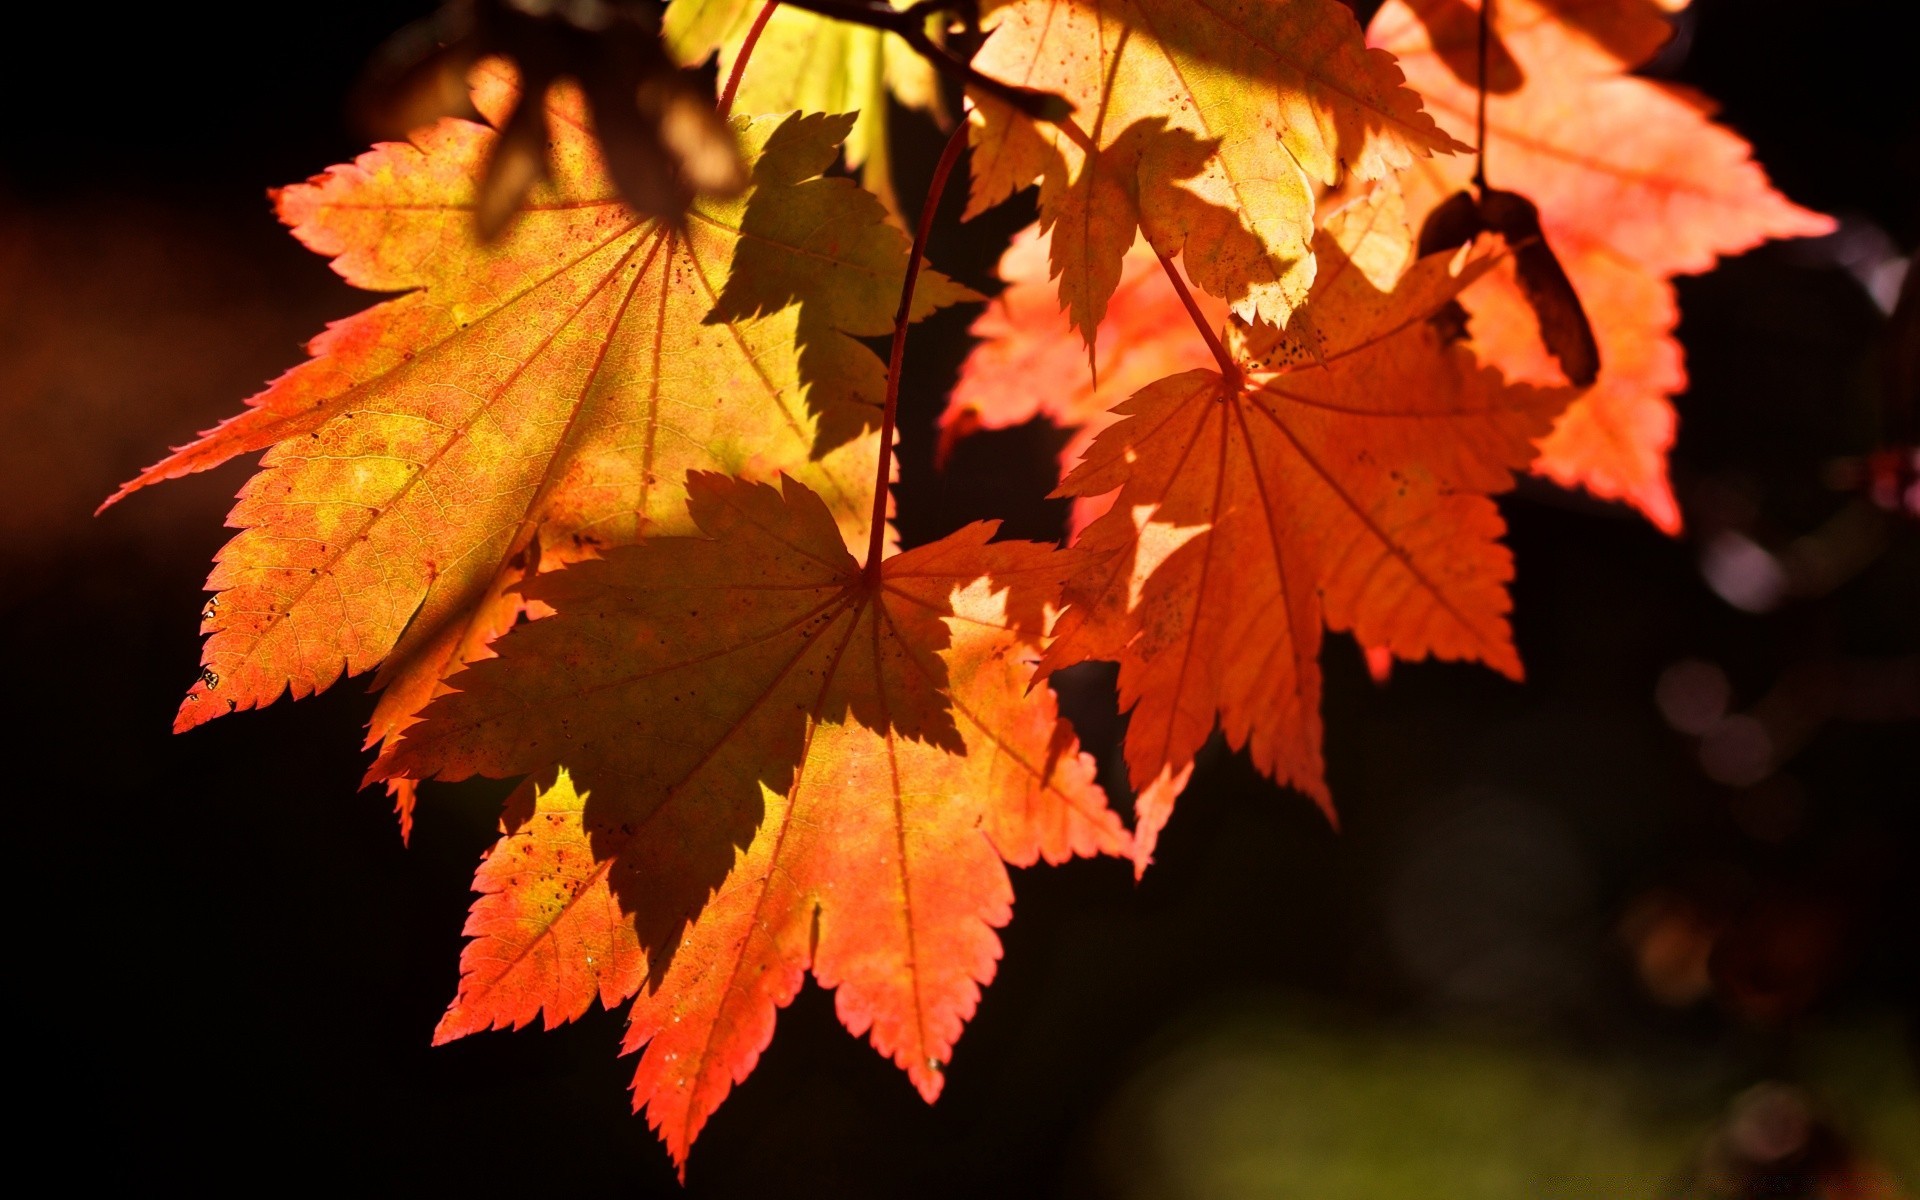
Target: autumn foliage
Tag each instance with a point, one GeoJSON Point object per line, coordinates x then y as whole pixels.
{"type": "Point", "coordinates": [602, 501]}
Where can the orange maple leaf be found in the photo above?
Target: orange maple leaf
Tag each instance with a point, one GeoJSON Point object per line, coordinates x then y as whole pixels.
{"type": "Point", "coordinates": [1028, 363]}
{"type": "Point", "coordinates": [1205, 127]}
{"type": "Point", "coordinates": [1340, 481]}
{"type": "Point", "coordinates": [1634, 183]}
{"type": "Point", "coordinates": [867, 737]}
{"type": "Point", "coordinates": [531, 400]}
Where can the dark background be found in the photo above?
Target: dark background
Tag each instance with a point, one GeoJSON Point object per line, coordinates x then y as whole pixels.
{"type": "Point", "coordinates": [231, 967]}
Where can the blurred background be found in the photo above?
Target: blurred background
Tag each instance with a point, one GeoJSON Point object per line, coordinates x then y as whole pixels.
{"type": "Point", "coordinates": [1644, 926]}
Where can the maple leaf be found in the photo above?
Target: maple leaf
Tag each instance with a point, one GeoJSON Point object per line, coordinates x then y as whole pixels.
{"type": "Point", "coordinates": [867, 737]}
{"type": "Point", "coordinates": [1028, 364]}
{"type": "Point", "coordinates": [1205, 126]}
{"type": "Point", "coordinates": [1634, 184]}
{"type": "Point", "coordinates": [812, 63]}
{"type": "Point", "coordinates": [527, 402]}
{"type": "Point", "coordinates": [1342, 481]}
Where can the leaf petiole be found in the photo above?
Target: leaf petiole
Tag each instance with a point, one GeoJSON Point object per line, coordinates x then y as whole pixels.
{"type": "Point", "coordinates": [1228, 367]}
{"type": "Point", "coordinates": [1480, 105]}
{"type": "Point", "coordinates": [725, 106]}
{"type": "Point", "coordinates": [876, 539]}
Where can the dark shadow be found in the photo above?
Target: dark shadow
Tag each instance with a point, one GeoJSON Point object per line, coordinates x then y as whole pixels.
{"type": "Point", "coordinates": [679, 677]}
{"type": "Point", "coordinates": [823, 243]}
{"type": "Point", "coordinates": [1630, 30]}
{"type": "Point", "coordinates": [1453, 30]}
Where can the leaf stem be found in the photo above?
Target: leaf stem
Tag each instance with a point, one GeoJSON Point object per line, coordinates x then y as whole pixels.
{"type": "Point", "coordinates": [725, 107]}
{"type": "Point", "coordinates": [1480, 111]}
{"type": "Point", "coordinates": [876, 538]}
{"type": "Point", "coordinates": [1228, 367]}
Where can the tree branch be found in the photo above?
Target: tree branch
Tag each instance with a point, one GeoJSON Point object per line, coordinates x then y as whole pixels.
{"type": "Point", "coordinates": [909, 24]}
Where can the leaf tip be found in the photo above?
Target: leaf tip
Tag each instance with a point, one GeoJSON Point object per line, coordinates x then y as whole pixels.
{"type": "Point", "coordinates": [929, 1078]}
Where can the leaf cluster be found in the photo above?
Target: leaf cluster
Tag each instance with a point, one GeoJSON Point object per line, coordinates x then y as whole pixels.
{"type": "Point", "coordinates": [600, 492]}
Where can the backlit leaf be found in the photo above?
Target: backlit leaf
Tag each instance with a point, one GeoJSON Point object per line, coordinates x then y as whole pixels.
{"type": "Point", "coordinates": [1343, 483]}
{"type": "Point", "coordinates": [846, 760]}
{"type": "Point", "coordinates": [1028, 363]}
{"type": "Point", "coordinates": [1634, 183]}
{"type": "Point", "coordinates": [1206, 127]}
{"type": "Point", "coordinates": [531, 401]}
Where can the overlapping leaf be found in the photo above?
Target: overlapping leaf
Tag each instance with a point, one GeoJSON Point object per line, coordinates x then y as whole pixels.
{"type": "Point", "coordinates": [1204, 126]}
{"type": "Point", "coordinates": [526, 402]}
{"type": "Point", "coordinates": [812, 63]}
{"type": "Point", "coordinates": [1343, 483]}
{"type": "Point", "coordinates": [1028, 363]}
{"type": "Point", "coordinates": [870, 743]}
{"type": "Point", "coordinates": [1634, 184]}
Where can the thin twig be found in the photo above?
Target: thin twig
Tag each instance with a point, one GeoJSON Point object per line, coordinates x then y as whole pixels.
{"type": "Point", "coordinates": [725, 107]}
{"type": "Point", "coordinates": [910, 25]}
{"type": "Point", "coordinates": [876, 539]}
